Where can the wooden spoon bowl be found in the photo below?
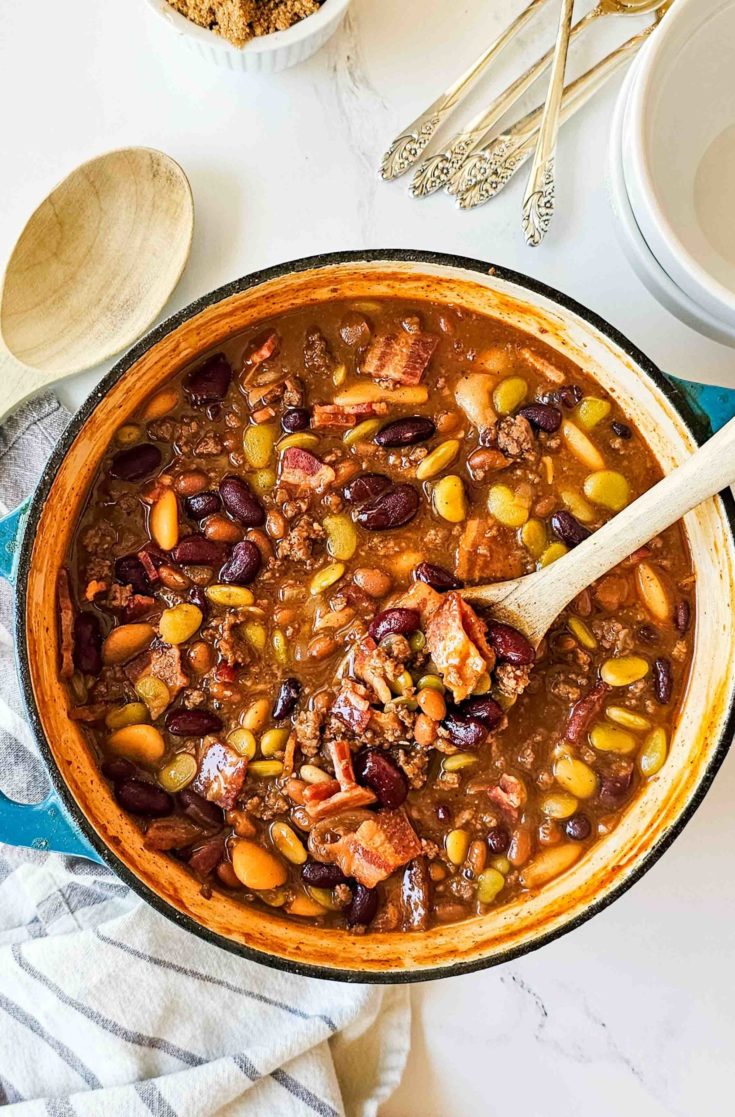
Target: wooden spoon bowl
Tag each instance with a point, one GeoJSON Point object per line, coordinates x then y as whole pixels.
{"type": "Point", "coordinates": [93, 268]}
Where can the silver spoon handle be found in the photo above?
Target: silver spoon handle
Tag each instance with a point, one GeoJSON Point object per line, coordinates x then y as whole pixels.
{"type": "Point", "coordinates": [442, 168]}
{"type": "Point", "coordinates": [495, 164]}
{"type": "Point", "coordinates": [538, 204]}
{"type": "Point", "coordinates": [406, 148]}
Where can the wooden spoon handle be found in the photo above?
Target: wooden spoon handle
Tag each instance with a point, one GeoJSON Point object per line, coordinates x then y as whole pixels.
{"type": "Point", "coordinates": [706, 473]}
{"type": "Point", "coordinates": [18, 382]}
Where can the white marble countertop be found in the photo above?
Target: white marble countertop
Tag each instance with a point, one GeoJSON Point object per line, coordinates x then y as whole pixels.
{"type": "Point", "coordinates": [633, 1013]}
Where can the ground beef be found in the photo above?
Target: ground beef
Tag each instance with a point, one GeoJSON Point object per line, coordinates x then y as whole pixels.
{"type": "Point", "coordinates": [307, 727]}
{"type": "Point", "coordinates": [232, 646]}
{"type": "Point", "coordinates": [301, 541]}
{"type": "Point", "coordinates": [118, 596]}
{"type": "Point", "coordinates": [614, 636]}
{"type": "Point", "coordinates": [515, 438]}
{"type": "Point", "coordinates": [267, 805]}
{"type": "Point", "coordinates": [194, 698]}
{"type": "Point", "coordinates": [462, 888]}
{"type": "Point", "coordinates": [511, 681]}
{"type": "Point", "coordinates": [317, 356]}
{"type": "Point", "coordinates": [414, 764]}
{"type": "Point", "coordinates": [209, 446]}
{"type": "Point", "coordinates": [100, 538]}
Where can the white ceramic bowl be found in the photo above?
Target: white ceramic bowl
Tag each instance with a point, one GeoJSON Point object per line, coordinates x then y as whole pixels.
{"type": "Point", "coordinates": [263, 55]}
{"type": "Point", "coordinates": [637, 251]}
{"type": "Point", "coordinates": [679, 150]}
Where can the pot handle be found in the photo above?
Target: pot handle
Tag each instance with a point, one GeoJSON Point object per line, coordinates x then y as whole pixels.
{"type": "Point", "coordinates": [43, 825]}
{"type": "Point", "coordinates": [713, 404]}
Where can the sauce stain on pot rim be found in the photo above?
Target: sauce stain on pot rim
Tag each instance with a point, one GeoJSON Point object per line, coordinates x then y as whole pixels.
{"type": "Point", "coordinates": [198, 329]}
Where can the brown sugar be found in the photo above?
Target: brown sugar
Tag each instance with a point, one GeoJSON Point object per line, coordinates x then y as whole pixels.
{"type": "Point", "coordinates": [241, 20]}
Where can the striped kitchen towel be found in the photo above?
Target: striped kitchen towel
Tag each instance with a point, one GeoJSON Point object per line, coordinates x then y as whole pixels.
{"type": "Point", "coordinates": [109, 1010]}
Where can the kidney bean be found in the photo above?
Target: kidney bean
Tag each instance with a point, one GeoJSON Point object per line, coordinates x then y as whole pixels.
{"type": "Point", "coordinates": [615, 789]}
{"type": "Point", "coordinates": [403, 621]}
{"type": "Point", "coordinates": [243, 565]}
{"type": "Point", "coordinates": [192, 723]}
{"type": "Point", "coordinates": [467, 732]}
{"type": "Point", "coordinates": [436, 577]}
{"type": "Point", "coordinates": [210, 382]}
{"type": "Point", "coordinates": [498, 839]}
{"type": "Point", "coordinates": [198, 597]}
{"type": "Point", "coordinates": [87, 644]}
{"type": "Point", "coordinates": [195, 550]}
{"type": "Point", "coordinates": [364, 906]}
{"type": "Point", "coordinates": [542, 416]}
{"type": "Point", "coordinates": [118, 769]}
{"type": "Point", "coordinates": [286, 699]}
{"type": "Point", "coordinates": [140, 797]}
{"type": "Point", "coordinates": [199, 809]}
{"type": "Point", "coordinates": [366, 487]}
{"type": "Point", "coordinates": [240, 501]}
{"type": "Point", "coordinates": [295, 419]}
{"type": "Point", "coordinates": [648, 634]}
{"type": "Point", "coordinates": [578, 827]}
{"type": "Point", "coordinates": [129, 571]}
{"type": "Point", "coordinates": [663, 680]}
{"type": "Point", "coordinates": [319, 875]}
{"type": "Point", "coordinates": [682, 617]}
{"type": "Point", "coordinates": [376, 770]}
{"type": "Point", "coordinates": [568, 528]}
{"type": "Point", "coordinates": [392, 509]}
{"type": "Point", "coordinates": [510, 645]}
{"type": "Point", "coordinates": [202, 504]}
{"type": "Point", "coordinates": [135, 463]}
{"type": "Point", "coordinates": [570, 395]}
{"type": "Point", "coordinates": [405, 432]}
{"type": "Point", "coordinates": [483, 708]}
{"type": "Point", "coordinates": [622, 430]}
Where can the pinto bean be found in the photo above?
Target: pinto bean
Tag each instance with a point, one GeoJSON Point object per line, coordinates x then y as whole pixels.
{"type": "Point", "coordinates": [375, 583]}
{"type": "Point", "coordinates": [190, 482]}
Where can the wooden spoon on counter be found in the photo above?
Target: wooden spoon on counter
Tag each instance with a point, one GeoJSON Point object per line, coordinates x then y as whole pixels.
{"type": "Point", "coordinates": [533, 602]}
{"type": "Point", "coordinates": [92, 269]}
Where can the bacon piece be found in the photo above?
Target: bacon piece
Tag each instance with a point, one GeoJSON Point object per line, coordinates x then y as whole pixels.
{"type": "Point", "coordinates": [149, 566]}
{"type": "Point", "coordinates": [401, 357]}
{"type": "Point", "coordinates": [94, 712]}
{"type": "Point", "coordinates": [260, 349]}
{"type": "Point", "coordinates": [551, 372]}
{"type": "Point", "coordinates": [378, 847]}
{"type": "Point", "coordinates": [207, 856]}
{"type": "Point", "coordinates": [423, 597]}
{"type": "Point", "coordinates": [370, 666]}
{"type": "Point", "coordinates": [221, 774]}
{"type": "Point", "coordinates": [341, 757]}
{"type": "Point", "coordinates": [305, 470]}
{"type": "Point", "coordinates": [345, 415]}
{"type": "Point", "coordinates": [137, 605]}
{"type": "Point", "coordinates": [351, 799]}
{"type": "Point", "coordinates": [316, 792]}
{"type": "Point", "coordinates": [352, 706]}
{"type": "Point", "coordinates": [164, 663]}
{"type": "Point", "coordinates": [585, 711]}
{"type": "Point", "coordinates": [94, 589]}
{"type": "Point", "coordinates": [455, 637]}
{"type": "Point", "coordinates": [509, 795]}
{"type": "Point", "coordinates": [171, 833]}
{"type": "Point", "coordinates": [289, 754]}
{"type": "Point", "coordinates": [66, 624]}
{"type": "Point", "coordinates": [484, 552]}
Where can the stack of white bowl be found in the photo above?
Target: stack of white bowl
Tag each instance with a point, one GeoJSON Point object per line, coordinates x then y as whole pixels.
{"type": "Point", "coordinates": [672, 165]}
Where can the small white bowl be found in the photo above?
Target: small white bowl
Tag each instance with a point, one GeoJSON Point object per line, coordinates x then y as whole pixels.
{"type": "Point", "coordinates": [265, 54]}
{"type": "Point", "coordinates": [679, 150]}
{"type": "Point", "coordinates": [637, 252]}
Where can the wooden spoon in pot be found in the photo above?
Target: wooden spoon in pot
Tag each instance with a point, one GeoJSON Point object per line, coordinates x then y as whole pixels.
{"type": "Point", "coordinates": [532, 603]}
{"type": "Point", "coordinates": [92, 269]}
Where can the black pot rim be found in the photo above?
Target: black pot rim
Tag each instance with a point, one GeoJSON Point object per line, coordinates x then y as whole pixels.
{"type": "Point", "coordinates": [695, 423]}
